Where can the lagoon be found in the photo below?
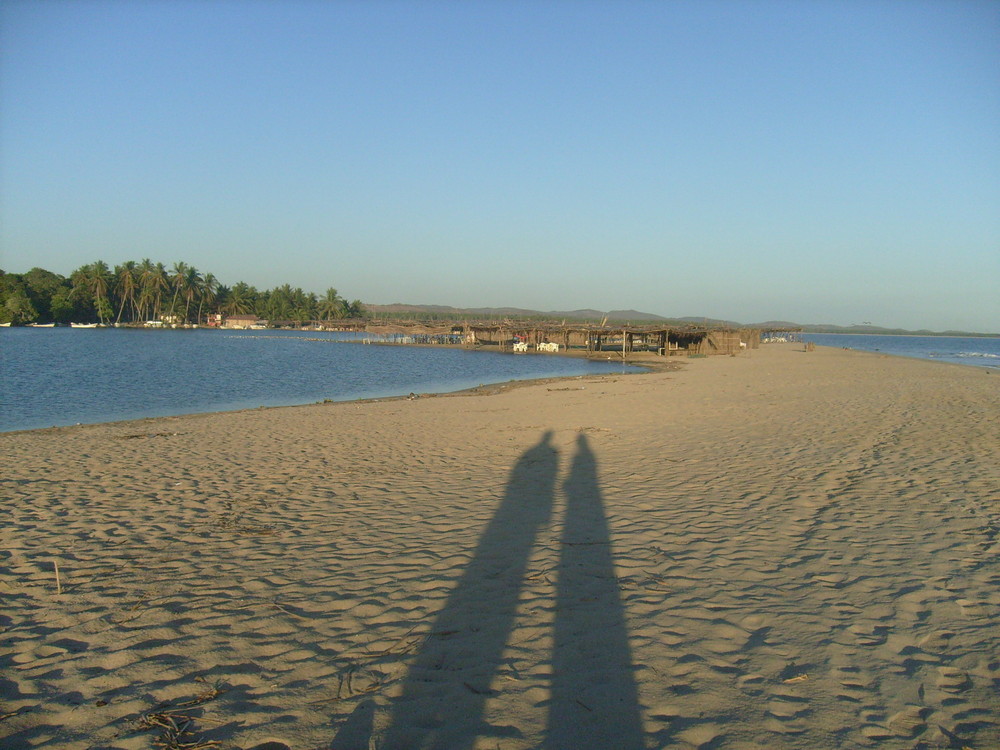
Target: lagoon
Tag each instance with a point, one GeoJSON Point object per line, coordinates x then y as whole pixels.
{"type": "Point", "coordinates": [64, 376]}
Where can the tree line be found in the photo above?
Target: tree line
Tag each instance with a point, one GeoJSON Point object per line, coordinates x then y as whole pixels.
{"type": "Point", "coordinates": [136, 292]}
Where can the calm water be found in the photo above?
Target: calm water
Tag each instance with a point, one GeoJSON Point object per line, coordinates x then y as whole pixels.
{"type": "Point", "coordinates": [983, 352]}
{"type": "Point", "coordinates": [62, 376]}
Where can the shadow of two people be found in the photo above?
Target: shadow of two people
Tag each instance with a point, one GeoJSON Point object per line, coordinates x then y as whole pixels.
{"type": "Point", "coordinates": [593, 696]}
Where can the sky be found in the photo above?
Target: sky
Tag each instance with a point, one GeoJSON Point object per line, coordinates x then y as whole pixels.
{"type": "Point", "coordinates": [817, 161]}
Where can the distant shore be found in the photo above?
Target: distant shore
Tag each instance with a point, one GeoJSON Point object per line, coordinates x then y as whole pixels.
{"type": "Point", "coordinates": [802, 540]}
{"type": "Point", "coordinates": [908, 333]}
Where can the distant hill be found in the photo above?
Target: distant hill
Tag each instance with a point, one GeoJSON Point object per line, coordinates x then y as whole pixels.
{"type": "Point", "coordinates": [878, 330]}
{"type": "Point", "coordinates": [397, 309]}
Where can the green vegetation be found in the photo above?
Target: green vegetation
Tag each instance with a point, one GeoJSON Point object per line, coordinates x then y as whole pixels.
{"type": "Point", "coordinates": [133, 293]}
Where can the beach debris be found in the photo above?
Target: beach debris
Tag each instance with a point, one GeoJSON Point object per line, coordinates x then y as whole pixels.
{"type": "Point", "coordinates": [18, 712]}
{"type": "Point", "coordinates": [176, 734]}
{"type": "Point", "coordinates": [177, 727]}
{"type": "Point", "coordinates": [346, 689]}
{"type": "Point", "coordinates": [146, 596]}
{"type": "Point", "coordinates": [231, 520]}
{"type": "Point", "coordinates": [797, 678]}
{"type": "Point", "coordinates": [209, 693]}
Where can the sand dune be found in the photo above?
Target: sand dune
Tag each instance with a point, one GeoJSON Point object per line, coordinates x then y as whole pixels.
{"type": "Point", "coordinates": [777, 550]}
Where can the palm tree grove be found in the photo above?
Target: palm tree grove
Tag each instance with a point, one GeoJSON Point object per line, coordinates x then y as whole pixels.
{"type": "Point", "coordinates": [136, 293]}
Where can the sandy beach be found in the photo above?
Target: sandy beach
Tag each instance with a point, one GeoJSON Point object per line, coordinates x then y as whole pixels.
{"type": "Point", "coordinates": [782, 549]}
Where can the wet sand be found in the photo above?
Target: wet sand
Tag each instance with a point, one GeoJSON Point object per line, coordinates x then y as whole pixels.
{"type": "Point", "coordinates": [778, 549]}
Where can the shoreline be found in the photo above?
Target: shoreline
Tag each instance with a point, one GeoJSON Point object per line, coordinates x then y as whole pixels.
{"type": "Point", "coordinates": [648, 362]}
{"type": "Point", "coordinates": [485, 389]}
{"type": "Point", "coordinates": [802, 540]}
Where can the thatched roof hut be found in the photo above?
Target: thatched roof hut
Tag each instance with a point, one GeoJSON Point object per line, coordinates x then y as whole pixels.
{"type": "Point", "coordinates": [662, 340]}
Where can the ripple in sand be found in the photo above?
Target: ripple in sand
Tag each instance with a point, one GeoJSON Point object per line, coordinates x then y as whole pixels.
{"type": "Point", "coordinates": [702, 735]}
{"type": "Point", "coordinates": [972, 610]}
{"type": "Point", "coordinates": [784, 710]}
{"type": "Point", "coordinates": [876, 732]}
{"type": "Point", "coordinates": [866, 634]}
{"type": "Point", "coordinates": [951, 680]}
{"type": "Point", "coordinates": [909, 722]}
{"type": "Point", "coordinates": [752, 684]}
{"type": "Point", "coordinates": [784, 726]}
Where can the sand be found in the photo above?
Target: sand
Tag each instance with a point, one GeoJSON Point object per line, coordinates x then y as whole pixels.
{"type": "Point", "coordinates": [780, 549]}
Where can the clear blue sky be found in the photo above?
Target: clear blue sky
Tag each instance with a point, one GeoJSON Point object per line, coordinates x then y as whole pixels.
{"type": "Point", "coordinates": [810, 160]}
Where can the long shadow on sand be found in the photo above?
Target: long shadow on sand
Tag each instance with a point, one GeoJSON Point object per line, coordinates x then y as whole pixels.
{"type": "Point", "coordinates": [448, 683]}
{"type": "Point", "coordinates": [594, 701]}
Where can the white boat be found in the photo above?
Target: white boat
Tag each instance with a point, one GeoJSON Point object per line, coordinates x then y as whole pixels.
{"type": "Point", "coordinates": [41, 325]}
{"type": "Point", "coordinates": [4, 325]}
{"type": "Point", "coordinates": [83, 325]}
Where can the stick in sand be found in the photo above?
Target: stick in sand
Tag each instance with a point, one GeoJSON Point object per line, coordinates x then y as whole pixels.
{"type": "Point", "coordinates": [55, 564]}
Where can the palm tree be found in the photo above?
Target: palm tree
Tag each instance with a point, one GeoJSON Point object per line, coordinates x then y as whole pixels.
{"type": "Point", "coordinates": [153, 281]}
{"type": "Point", "coordinates": [331, 306]}
{"type": "Point", "coordinates": [279, 303]}
{"type": "Point", "coordinates": [178, 279]}
{"type": "Point", "coordinates": [147, 293]}
{"type": "Point", "coordinates": [221, 301]}
{"type": "Point", "coordinates": [126, 283]}
{"type": "Point", "coordinates": [355, 309]}
{"type": "Point", "coordinates": [160, 282]}
{"type": "Point", "coordinates": [305, 303]}
{"type": "Point", "coordinates": [240, 299]}
{"type": "Point", "coordinates": [192, 288]}
{"type": "Point", "coordinates": [95, 279]}
{"type": "Point", "coordinates": [208, 291]}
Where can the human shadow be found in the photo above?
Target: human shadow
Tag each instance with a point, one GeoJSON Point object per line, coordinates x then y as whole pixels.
{"type": "Point", "coordinates": [594, 701]}
{"type": "Point", "coordinates": [356, 732]}
{"type": "Point", "coordinates": [446, 688]}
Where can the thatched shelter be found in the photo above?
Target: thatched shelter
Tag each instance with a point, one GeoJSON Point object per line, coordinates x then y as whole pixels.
{"type": "Point", "coordinates": [662, 340]}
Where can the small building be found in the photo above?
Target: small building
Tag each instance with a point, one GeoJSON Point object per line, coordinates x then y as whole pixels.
{"type": "Point", "coordinates": [243, 322]}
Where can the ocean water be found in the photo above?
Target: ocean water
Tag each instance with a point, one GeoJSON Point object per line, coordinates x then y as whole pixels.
{"type": "Point", "coordinates": [961, 350]}
{"type": "Point", "coordinates": [63, 376]}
